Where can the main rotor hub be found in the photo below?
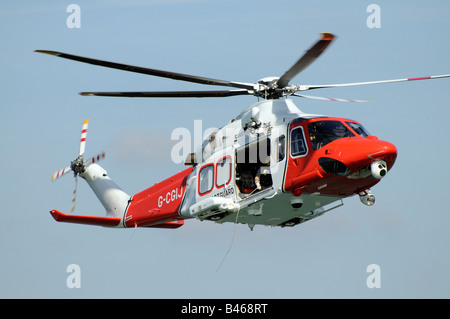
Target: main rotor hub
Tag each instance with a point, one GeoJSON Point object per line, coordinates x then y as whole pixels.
{"type": "Point", "coordinates": [77, 166]}
{"type": "Point", "coordinates": [268, 88]}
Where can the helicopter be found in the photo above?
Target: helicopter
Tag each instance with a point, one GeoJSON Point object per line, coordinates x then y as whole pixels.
{"type": "Point", "coordinates": [271, 165]}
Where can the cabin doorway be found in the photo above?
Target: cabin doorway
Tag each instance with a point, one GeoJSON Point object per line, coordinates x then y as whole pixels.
{"type": "Point", "coordinates": [253, 168]}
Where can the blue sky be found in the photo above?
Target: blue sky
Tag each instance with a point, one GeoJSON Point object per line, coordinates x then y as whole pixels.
{"type": "Point", "coordinates": [405, 233]}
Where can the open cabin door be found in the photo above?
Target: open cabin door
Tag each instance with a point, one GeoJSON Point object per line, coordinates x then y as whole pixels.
{"type": "Point", "coordinates": [253, 173]}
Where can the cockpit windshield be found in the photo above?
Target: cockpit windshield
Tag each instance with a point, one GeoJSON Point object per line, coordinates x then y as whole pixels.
{"type": "Point", "coordinates": [323, 132]}
{"type": "Point", "coordinates": [358, 128]}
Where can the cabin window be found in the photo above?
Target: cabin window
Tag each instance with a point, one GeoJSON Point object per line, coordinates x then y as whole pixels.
{"type": "Point", "coordinates": [298, 145]}
{"type": "Point", "coordinates": [223, 172]}
{"type": "Point", "coordinates": [359, 129]}
{"type": "Point", "coordinates": [280, 144]}
{"type": "Point", "coordinates": [323, 132]}
{"type": "Point", "coordinates": [206, 179]}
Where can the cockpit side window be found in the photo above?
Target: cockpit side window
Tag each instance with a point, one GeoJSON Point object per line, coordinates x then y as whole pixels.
{"type": "Point", "coordinates": [298, 145]}
{"type": "Point", "coordinates": [323, 132]}
{"type": "Point", "coordinates": [358, 128]}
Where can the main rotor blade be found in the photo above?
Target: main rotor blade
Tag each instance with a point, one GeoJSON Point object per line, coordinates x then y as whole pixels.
{"type": "Point", "coordinates": [170, 93]}
{"type": "Point", "coordinates": [311, 87]}
{"type": "Point", "coordinates": [330, 98]}
{"type": "Point", "coordinates": [148, 71]}
{"type": "Point", "coordinates": [309, 57]}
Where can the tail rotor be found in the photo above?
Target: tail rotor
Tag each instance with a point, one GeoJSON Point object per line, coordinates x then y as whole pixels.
{"type": "Point", "coordinates": [78, 166]}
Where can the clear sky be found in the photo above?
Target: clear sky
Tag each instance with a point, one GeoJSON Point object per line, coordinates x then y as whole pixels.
{"type": "Point", "coordinates": [405, 232]}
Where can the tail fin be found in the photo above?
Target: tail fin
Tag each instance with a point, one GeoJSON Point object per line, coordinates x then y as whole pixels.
{"type": "Point", "coordinates": [110, 195]}
{"type": "Point", "coordinates": [114, 199]}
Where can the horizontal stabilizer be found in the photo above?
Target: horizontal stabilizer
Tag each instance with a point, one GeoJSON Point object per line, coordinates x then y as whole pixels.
{"type": "Point", "coordinates": [171, 225]}
{"type": "Point", "coordinates": [86, 220]}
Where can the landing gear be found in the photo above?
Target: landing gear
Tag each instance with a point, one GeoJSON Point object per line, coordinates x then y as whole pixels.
{"type": "Point", "coordinates": [292, 222]}
{"type": "Point", "coordinates": [217, 217]}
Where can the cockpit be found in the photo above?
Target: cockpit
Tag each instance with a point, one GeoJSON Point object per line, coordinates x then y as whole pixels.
{"type": "Point", "coordinates": [323, 132]}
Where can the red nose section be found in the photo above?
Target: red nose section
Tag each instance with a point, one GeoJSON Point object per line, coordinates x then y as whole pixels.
{"type": "Point", "coordinates": [341, 168]}
{"type": "Point", "coordinates": [356, 154]}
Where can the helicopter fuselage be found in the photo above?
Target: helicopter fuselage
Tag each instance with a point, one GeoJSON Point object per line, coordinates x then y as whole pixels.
{"type": "Point", "coordinates": [271, 165]}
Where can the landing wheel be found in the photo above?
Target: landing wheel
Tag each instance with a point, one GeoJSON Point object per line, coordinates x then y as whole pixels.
{"type": "Point", "coordinates": [217, 217]}
{"type": "Point", "coordinates": [292, 222]}
{"type": "Point", "coordinates": [289, 224]}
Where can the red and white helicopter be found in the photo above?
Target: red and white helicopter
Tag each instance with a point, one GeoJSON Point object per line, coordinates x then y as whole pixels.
{"type": "Point", "coordinates": [271, 165]}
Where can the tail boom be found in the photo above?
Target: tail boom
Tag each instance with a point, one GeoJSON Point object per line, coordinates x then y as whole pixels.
{"type": "Point", "coordinates": [155, 207]}
{"type": "Point", "coordinates": [158, 206]}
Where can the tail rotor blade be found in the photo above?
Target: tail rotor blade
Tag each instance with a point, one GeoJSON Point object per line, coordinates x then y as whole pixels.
{"type": "Point", "coordinates": [74, 195]}
{"type": "Point", "coordinates": [60, 173]}
{"type": "Point", "coordinates": [94, 159]}
{"type": "Point", "coordinates": [83, 137]}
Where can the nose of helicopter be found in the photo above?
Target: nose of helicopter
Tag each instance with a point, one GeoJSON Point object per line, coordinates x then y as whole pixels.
{"type": "Point", "coordinates": [349, 157]}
